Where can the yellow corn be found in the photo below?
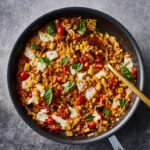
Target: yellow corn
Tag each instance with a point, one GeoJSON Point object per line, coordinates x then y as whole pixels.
{"type": "Point", "coordinates": [43, 44]}
{"type": "Point", "coordinates": [98, 87]}
{"type": "Point", "coordinates": [86, 130]}
{"type": "Point", "coordinates": [27, 67]}
{"type": "Point", "coordinates": [75, 56]}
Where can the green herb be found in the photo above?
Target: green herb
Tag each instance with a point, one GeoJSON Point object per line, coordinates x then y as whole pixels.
{"type": "Point", "coordinates": [51, 29]}
{"type": "Point", "coordinates": [81, 28]}
{"type": "Point", "coordinates": [35, 46]}
{"type": "Point", "coordinates": [28, 89]}
{"type": "Point", "coordinates": [48, 96]}
{"type": "Point", "coordinates": [64, 61]}
{"type": "Point", "coordinates": [107, 111]}
{"type": "Point", "coordinates": [122, 102]}
{"type": "Point", "coordinates": [77, 66]}
{"type": "Point", "coordinates": [68, 86]}
{"type": "Point", "coordinates": [46, 61]}
{"type": "Point", "coordinates": [89, 118]}
{"type": "Point", "coordinates": [127, 74]}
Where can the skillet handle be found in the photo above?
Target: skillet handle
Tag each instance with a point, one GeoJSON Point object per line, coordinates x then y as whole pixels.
{"type": "Point", "coordinates": [115, 143]}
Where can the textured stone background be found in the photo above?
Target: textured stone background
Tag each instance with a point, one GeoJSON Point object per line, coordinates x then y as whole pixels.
{"type": "Point", "coordinates": [15, 15]}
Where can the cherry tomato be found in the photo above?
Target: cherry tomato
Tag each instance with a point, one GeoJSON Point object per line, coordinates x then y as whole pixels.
{"type": "Point", "coordinates": [25, 59]}
{"type": "Point", "coordinates": [90, 51]}
{"type": "Point", "coordinates": [86, 65]}
{"type": "Point", "coordinates": [65, 69]}
{"type": "Point", "coordinates": [47, 72]}
{"type": "Point", "coordinates": [99, 58]}
{"type": "Point", "coordinates": [80, 100]}
{"type": "Point", "coordinates": [50, 120]}
{"type": "Point", "coordinates": [83, 59]}
{"type": "Point", "coordinates": [133, 72]}
{"type": "Point", "coordinates": [60, 30]}
{"type": "Point", "coordinates": [92, 124]}
{"type": "Point", "coordinates": [24, 75]}
{"type": "Point", "coordinates": [78, 37]}
{"type": "Point", "coordinates": [59, 38]}
{"type": "Point", "coordinates": [62, 113]}
{"type": "Point", "coordinates": [55, 127]}
{"type": "Point", "coordinates": [111, 83]}
{"type": "Point", "coordinates": [99, 65]}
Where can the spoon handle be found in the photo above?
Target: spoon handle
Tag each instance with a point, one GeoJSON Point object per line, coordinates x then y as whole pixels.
{"type": "Point", "coordinates": [131, 86]}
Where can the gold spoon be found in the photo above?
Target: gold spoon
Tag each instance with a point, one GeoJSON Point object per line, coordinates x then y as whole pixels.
{"type": "Point", "coordinates": [130, 85]}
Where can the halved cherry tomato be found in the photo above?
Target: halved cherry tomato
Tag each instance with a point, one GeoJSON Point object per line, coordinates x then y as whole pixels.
{"type": "Point", "coordinates": [60, 30]}
{"type": "Point", "coordinates": [99, 65]}
{"type": "Point", "coordinates": [86, 65]}
{"type": "Point", "coordinates": [62, 113]}
{"type": "Point", "coordinates": [65, 69]}
{"type": "Point", "coordinates": [83, 59]}
{"type": "Point", "coordinates": [80, 100]}
{"type": "Point", "coordinates": [55, 127]}
{"type": "Point", "coordinates": [78, 37]}
{"type": "Point", "coordinates": [50, 120]}
{"type": "Point", "coordinates": [92, 124]}
{"type": "Point", "coordinates": [59, 38]}
{"type": "Point", "coordinates": [133, 72]}
{"type": "Point", "coordinates": [99, 58]}
{"type": "Point", "coordinates": [111, 83]}
{"type": "Point", "coordinates": [24, 75]}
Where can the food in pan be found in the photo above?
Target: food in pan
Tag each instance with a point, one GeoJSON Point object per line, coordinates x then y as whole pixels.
{"type": "Point", "coordinates": [63, 81]}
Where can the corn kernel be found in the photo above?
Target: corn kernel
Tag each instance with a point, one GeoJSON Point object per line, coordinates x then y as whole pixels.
{"type": "Point", "coordinates": [27, 67]}
{"type": "Point", "coordinates": [74, 42]}
{"type": "Point", "coordinates": [100, 51]}
{"type": "Point", "coordinates": [96, 52]}
{"type": "Point", "coordinates": [105, 122]}
{"type": "Point", "coordinates": [90, 71]}
{"type": "Point", "coordinates": [43, 44]}
{"type": "Point", "coordinates": [86, 130]}
{"type": "Point", "coordinates": [91, 35]}
{"type": "Point", "coordinates": [58, 87]}
{"type": "Point", "coordinates": [75, 56]}
{"type": "Point", "coordinates": [101, 34]}
{"type": "Point", "coordinates": [98, 87]}
{"type": "Point", "coordinates": [57, 21]}
{"type": "Point", "coordinates": [107, 35]}
{"type": "Point", "coordinates": [52, 45]}
{"type": "Point", "coordinates": [69, 133]}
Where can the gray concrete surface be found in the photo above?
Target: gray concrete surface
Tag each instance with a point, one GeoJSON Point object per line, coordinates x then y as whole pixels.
{"type": "Point", "coordinates": [15, 15]}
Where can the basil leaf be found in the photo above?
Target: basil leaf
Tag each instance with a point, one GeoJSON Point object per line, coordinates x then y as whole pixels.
{"type": "Point", "coordinates": [89, 118]}
{"type": "Point", "coordinates": [81, 28]}
{"type": "Point", "coordinates": [68, 86]}
{"type": "Point", "coordinates": [51, 29]}
{"type": "Point", "coordinates": [127, 74]}
{"type": "Point", "coordinates": [46, 61]}
{"type": "Point", "coordinates": [35, 46]}
{"type": "Point", "coordinates": [107, 111]}
{"type": "Point", "coordinates": [122, 102]}
{"type": "Point", "coordinates": [64, 61]}
{"type": "Point", "coordinates": [48, 96]}
{"type": "Point", "coordinates": [28, 89]}
{"type": "Point", "coordinates": [77, 66]}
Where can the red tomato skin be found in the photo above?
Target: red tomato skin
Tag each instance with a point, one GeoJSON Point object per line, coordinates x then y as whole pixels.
{"type": "Point", "coordinates": [50, 120]}
{"type": "Point", "coordinates": [54, 127]}
{"type": "Point", "coordinates": [25, 59]}
{"type": "Point", "coordinates": [90, 51]}
{"type": "Point", "coordinates": [83, 59]}
{"type": "Point", "coordinates": [111, 83]}
{"type": "Point", "coordinates": [92, 124]}
{"type": "Point", "coordinates": [24, 75]}
{"type": "Point", "coordinates": [80, 100]}
{"type": "Point", "coordinates": [99, 65]}
{"type": "Point", "coordinates": [47, 72]}
{"type": "Point", "coordinates": [78, 38]}
{"type": "Point", "coordinates": [60, 30]}
{"type": "Point", "coordinates": [62, 113]}
{"type": "Point", "coordinates": [99, 58]}
{"type": "Point", "coordinates": [133, 71]}
{"type": "Point", "coordinates": [65, 68]}
{"type": "Point", "coordinates": [59, 38]}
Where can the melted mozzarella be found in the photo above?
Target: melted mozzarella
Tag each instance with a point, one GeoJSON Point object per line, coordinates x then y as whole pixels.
{"type": "Point", "coordinates": [100, 74]}
{"type": "Point", "coordinates": [45, 37]}
{"type": "Point", "coordinates": [62, 122]}
{"type": "Point", "coordinates": [96, 116]}
{"type": "Point", "coordinates": [73, 112]}
{"type": "Point", "coordinates": [80, 86]}
{"type": "Point", "coordinates": [42, 115]}
{"type": "Point", "coordinates": [81, 75]}
{"type": "Point", "coordinates": [52, 55]}
{"type": "Point", "coordinates": [90, 93]}
{"type": "Point", "coordinates": [41, 66]}
{"type": "Point", "coordinates": [115, 104]}
{"type": "Point", "coordinates": [73, 71]}
{"type": "Point", "coordinates": [26, 83]}
{"type": "Point", "coordinates": [28, 53]}
{"type": "Point", "coordinates": [39, 87]}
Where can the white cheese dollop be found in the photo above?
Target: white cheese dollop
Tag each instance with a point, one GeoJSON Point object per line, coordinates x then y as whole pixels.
{"type": "Point", "coordinates": [39, 87]}
{"type": "Point", "coordinates": [96, 116]}
{"type": "Point", "coordinates": [100, 74]}
{"type": "Point", "coordinates": [45, 37]}
{"type": "Point", "coordinates": [28, 53]}
{"type": "Point", "coordinates": [73, 71]}
{"type": "Point", "coordinates": [80, 86]}
{"type": "Point", "coordinates": [127, 62]}
{"type": "Point", "coordinates": [52, 55]}
{"type": "Point", "coordinates": [42, 115]}
{"type": "Point", "coordinates": [41, 66]}
{"type": "Point", "coordinates": [81, 75]}
{"type": "Point", "coordinates": [62, 122]}
{"type": "Point", "coordinates": [115, 104]}
{"type": "Point", "coordinates": [33, 99]}
{"type": "Point", "coordinates": [26, 83]}
{"type": "Point", "coordinates": [90, 93]}
{"type": "Point", "coordinates": [73, 112]}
